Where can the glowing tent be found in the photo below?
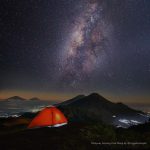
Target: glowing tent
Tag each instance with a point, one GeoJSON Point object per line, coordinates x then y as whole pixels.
{"type": "Point", "coordinates": [49, 116]}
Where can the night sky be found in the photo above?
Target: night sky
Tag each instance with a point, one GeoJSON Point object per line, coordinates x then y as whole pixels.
{"type": "Point", "coordinates": [57, 49]}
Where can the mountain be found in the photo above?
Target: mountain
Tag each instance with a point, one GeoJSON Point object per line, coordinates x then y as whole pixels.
{"type": "Point", "coordinates": [95, 108]}
{"type": "Point", "coordinates": [16, 98]}
{"type": "Point", "coordinates": [22, 99]}
{"type": "Point", "coordinates": [71, 100]}
{"type": "Point", "coordinates": [16, 106]}
{"type": "Point", "coordinates": [34, 99]}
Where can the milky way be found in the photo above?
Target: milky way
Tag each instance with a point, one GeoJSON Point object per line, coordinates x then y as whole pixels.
{"type": "Point", "coordinates": [86, 45]}
{"type": "Point", "coordinates": [62, 48]}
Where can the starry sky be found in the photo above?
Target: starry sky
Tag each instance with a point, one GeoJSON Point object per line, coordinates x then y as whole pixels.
{"type": "Point", "coordinates": [57, 49]}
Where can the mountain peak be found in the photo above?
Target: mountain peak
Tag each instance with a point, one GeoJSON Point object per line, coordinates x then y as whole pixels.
{"type": "Point", "coordinates": [34, 99]}
{"type": "Point", "coordinates": [16, 97]}
{"type": "Point", "coordinates": [87, 101]}
{"type": "Point", "coordinates": [95, 95]}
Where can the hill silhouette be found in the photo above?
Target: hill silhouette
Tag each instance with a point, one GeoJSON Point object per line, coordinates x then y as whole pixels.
{"type": "Point", "coordinates": [95, 108]}
{"type": "Point", "coordinates": [15, 98]}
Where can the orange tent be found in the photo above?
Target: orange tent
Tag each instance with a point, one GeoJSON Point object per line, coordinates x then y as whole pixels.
{"type": "Point", "coordinates": [49, 116]}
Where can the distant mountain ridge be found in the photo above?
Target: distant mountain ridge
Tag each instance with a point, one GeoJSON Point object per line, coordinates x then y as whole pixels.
{"type": "Point", "coordinates": [34, 99]}
{"type": "Point", "coordinates": [15, 98]}
{"type": "Point", "coordinates": [16, 106]}
{"type": "Point", "coordinates": [23, 99]}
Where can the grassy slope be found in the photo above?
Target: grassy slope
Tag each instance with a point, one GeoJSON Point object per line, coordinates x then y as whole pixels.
{"type": "Point", "coordinates": [73, 137]}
